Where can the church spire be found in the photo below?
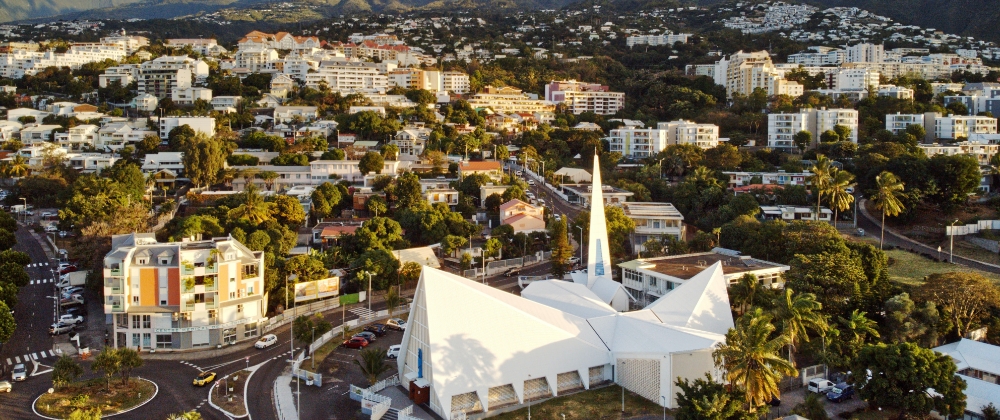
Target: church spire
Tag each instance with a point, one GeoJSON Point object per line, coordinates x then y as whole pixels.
{"type": "Point", "coordinates": [598, 253]}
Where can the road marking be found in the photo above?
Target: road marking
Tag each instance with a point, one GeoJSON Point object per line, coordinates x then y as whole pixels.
{"type": "Point", "coordinates": [34, 356]}
{"type": "Point", "coordinates": [8, 361]}
{"type": "Point", "coordinates": [17, 359]}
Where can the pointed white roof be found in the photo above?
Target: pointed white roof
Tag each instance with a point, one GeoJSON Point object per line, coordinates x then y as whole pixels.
{"type": "Point", "coordinates": [598, 250]}
{"type": "Point", "coordinates": [700, 303]}
{"type": "Point", "coordinates": [569, 297]}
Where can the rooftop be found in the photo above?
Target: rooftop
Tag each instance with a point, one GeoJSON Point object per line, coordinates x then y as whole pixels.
{"type": "Point", "coordinates": [688, 265]}
{"type": "Point", "coordinates": [634, 209]}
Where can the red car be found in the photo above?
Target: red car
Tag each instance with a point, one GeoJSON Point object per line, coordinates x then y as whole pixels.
{"type": "Point", "coordinates": [356, 343]}
{"type": "Point", "coordinates": [67, 269]}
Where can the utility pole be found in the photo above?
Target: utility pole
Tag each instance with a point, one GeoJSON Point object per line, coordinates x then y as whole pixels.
{"type": "Point", "coordinates": [951, 246]}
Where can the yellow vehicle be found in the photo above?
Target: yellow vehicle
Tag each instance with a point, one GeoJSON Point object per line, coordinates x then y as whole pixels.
{"type": "Point", "coordinates": [204, 378]}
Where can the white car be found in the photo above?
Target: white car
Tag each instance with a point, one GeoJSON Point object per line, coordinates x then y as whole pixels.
{"type": "Point", "coordinates": [573, 260]}
{"type": "Point", "coordinates": [47, 214]}
{"type": "Point", "coordinates": [70, 319]}
{"type": "Point", "coordinates": [530, 195]}
{"type": "Point", "coordinates": [531, 182]}
{"type": "Point", "coordinates": [52, 228]}
{"type": "Point", "coordinates": [19, 373]}
{"type": "Point", "coordinates": [393, 351]}
{"type": "Point", "coordinates": [266, 341]}
{"type": "Point", "coordinates": [541, 202]}
{"type": "Point", "coordinates": [819, 386]}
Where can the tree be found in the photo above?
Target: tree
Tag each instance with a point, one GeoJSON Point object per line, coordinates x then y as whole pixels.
{"type": "Point", "coordinates": [268, 177]}
{"type": "Point", "coordinates": [751, 360]}
{"type": "Point", "coordinates": [705, 399]}
{"type": "Point", "coordinates": [108, 363]}
{"type": "Point", "coordinates": [187, 415]}
{"type": "Point", "coordinates": [859, 327]}
{"type": "Point", "coordinates": [820, 178]}
{"type": "Point", "coordinates": [837, 194]}
{"type": "Point", "coordinates": [747, 292]}
{"type": "Point", "coordinates": [902, 374]}
{"type": "Point", "coordinates": [128, 359]}
{"type": "Point", "coordinates": [287, 210]}
{"type": "Point", "coordinates": [502, 153]}
{"type": "Point", "coordinates": [375, 205]}
{"type": "Point", "coordinates": [371, 162]}
{"type": "Point", "coordinates": [149, 144]}
{"type": "Point", "coordinates": [620, 228]}
{"type": "Point", "coordinates": [888, 198]}
{"type": "Point", "coordinates": [493, 203]}
{"type": "Point", "coordinates": [904, 321]}
{"type": "Point", "coordinates": [829, 136]}
{"type": "Point", "coordinates": [7, 323]}
{"type": "Point", "coordinates": [392, 300]}
{"type": "Point", "coordinates": [798, 314]}
{"type": "Point", "coordinates": [955, 177]}
{"type": "Point", "coordinates": [203, 158]}
{"type": "Point", "coordinates": [372, 364]}
{"type": "Point", "coordinates": [843, 132]}
{"type": "Point", "coordinates": [990, 412]}
{"type": "Point", "coordinates": [65, 370]}
{"type": "Point", "coordinates": [14, 273]}
{"type": "Point", "coordinates": [965, 296]}
{"type": "Point", "coordinates": [81, 414]}
{"type": "Point", "coordinates": [390, 152]}
{"type": "Point", "coordinates": [253, 207]}
{"type": "Point", "coordinates": [17, 167]}
{"type": "Point", "coordinates": [812, 408]}
{"type": "Point", "coordinates": [802, 140]}
{"type": "Point", "coordinates": [410, 272]}
{"type": "Point", "coordinates": [333, 154]}
{"type": "Point", "coordinates": [561, 249]}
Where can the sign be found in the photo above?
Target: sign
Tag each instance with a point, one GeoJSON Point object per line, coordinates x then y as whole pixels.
{"type": "Point", "coordinates": [204, 327]}
{"type": "Point", "coordinates": [318, 289]}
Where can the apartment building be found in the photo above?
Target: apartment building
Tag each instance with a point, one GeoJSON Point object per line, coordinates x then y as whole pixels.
{"type": "Point", "coordinates": [865, 53]}
{"type": "Point", "coordinates": [123, 74]}
{"type": "Point", "coordinates": [896, 92]}
{"type": "Point", "coordinates": [740, 178]}
{"type": "Point", "coordinates": [855, 79]}
{"type": "Point", "coordinates": [182, 295]}
{"type": "Point", "coordinates": [19, 63]}
{"type": "Point", "coordinates": [646, 142]}
{"type": "Point", "coordinates": [78, 137]}
{"type": "Point", "coordinates": [647, 279]}
{"type": "Point", "coordinates": [38, 133]}
{"type": "Point", "coordinates": [278, 41]}
{"type": "Point", "coordinates": [316, 173]}
{"type": "Point", "coordinates": [897, 123]}
{"type": "Point", "coordinates": [509, 99]}
{"type": "Point", "coordinates": [742, 72]}
{"type": "Point", "coordinates": [782, 127]}
{"type": "Point", "coordinates": [655, 221]}
{"type": "Point", "coordinates": [161, 76]}
{"type": "Point", "coordinates": [819, 56]}
{"type": "Point", "coordinates": [255, 59]}
{"type": "Point", "coordinates": [198, 124]}
{"type": "Point", "coordinates": [955, 126]}
{"type": "Point", "coordinates": [411, 141]}
{"type": "Point", "coordinates": [188, 95]}
{"type": "Point", "coordinates": [208, 47]}
{"type": "Point", "coordinates": [455, 82]}
{"type": "Point", "coordinates": [170, 161]}
{"type": "Point", "coordinates": [284, 114]}
{"type": "Point", "coordinates": [656, 40]}
{"type": "Point", "coordinates": [114, 136]}
{"type": "Point", "coordinates": [131, 43]}
{"type": "Point", "coordinates": [90, 162]}
{"type": "Point", "coordinates": [348, 77]}
{"type": "Point", "coordinates": [580, 97]}
{"type": "Point", "coordinates": [705, 136]}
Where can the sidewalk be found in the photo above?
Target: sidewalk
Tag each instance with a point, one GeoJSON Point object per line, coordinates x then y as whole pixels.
{"type": "Point", "coordinates": [284, 399]}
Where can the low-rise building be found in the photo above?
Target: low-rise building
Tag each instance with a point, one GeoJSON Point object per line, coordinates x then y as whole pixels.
{"type": "Point", "coordinates": [523, 217]}
{"type": "Point", "coordinates": [284, 114]}
{"type": "Point", "coordinates": [491, 168]}
{"type": "Point", "coordinates": [650, 278]}
{"type": "Point", "coordinates": [978, 364]}
{"type": "Point", "coordinates": [782, 127]}
{"type": "Point", "coordinates": [113, 136]}
{"type": "Point", "coordinates": [788, 213]}
{"type": "Point", "coordinates": [411, 141]}
{"type": "Point", "coordinates": [204, 125]}
{"type": "Point", "coordinates": [956, 126]}
{"type": "Point", "coordinates": [740, 178]}
{"type": "Point", "coordinates": [897, 123]}
{"type": "Point", "coordinates": [155, 162]}
{"type": "Point", "coordinates": [508, 99]}
{"type": "Point", "coordinates": [580, 97]}
{"type": "Point", "coordinates": [182, 295]}
{"type": "Point", "coordinates": [581, 193]}
{"type": "Point", "coordinates": [653, 221]}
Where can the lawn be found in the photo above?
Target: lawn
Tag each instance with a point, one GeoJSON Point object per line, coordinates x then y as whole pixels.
{"type": "Point", "coordinates": [909, 268]}
{"type": "Point", "coordinates": [93, 394]}
{"type": "Point", "coordinates": [602, 403]}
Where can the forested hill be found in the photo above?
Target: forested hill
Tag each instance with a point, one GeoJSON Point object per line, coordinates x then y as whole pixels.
{"type": "Point", "coordinates": [976, 18]}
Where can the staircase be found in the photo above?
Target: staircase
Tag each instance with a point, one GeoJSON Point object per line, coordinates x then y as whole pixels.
{"type": "Point", "coordinates": [392, 414]}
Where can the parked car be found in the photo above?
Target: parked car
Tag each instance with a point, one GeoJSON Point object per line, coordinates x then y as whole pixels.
{"type": "Point", "coordinates": [378, 329]}
{"type": "Point", "coordinates": [356, 343]}
{"type": "Point", "coordinates": [530, 195]}
{"type": "Point", "coordinates": [204, 378]}
{"type": "Point", "coordinates": [395, 324]}
{"type": "Point", "coordinates": [51, 228]}
{"type": "Point", "coordinates": [519, 173]}
{"type": "Point", "coordinates": [71, 319]}
{"type": "Point", "coordinates": [46, 214]}
{"type": "Point", "coordinates": [63, 233]}
{"type": "Point", "coordinates": [370, 337]}
{"type": "Point", "coordinates": [541, 202]}
{"type": "Point", "coordinates": [60, 328]}
{"type": "Point", "coordinates": [558, 217]}
{"type": "Point", "coordinates": [860, 232]}
{"type": "Point", "coordinates": [841, 392]}
{"type": "Point", "coordinates": [531, 182]}
{"type": "Point", "coordinates": [77, 311]}
{"type": "Point", "coordinates": [266, 341]}
{"type": "Point", "coordinates": [514, 271]}
{"type": "Point", "coordinates": [5, 386]}
{"type": "Point", "coordinates": [73, 290]}
{"type": "Point", "coordinates": [573, 260]}
{"type": "Point", "coordinates": [819, 386]}
{"type": "Point", "coordinates": [69, 268]}
{"type": "Point", "coordinates": [19, 373]}
{"type": "Point", "coordinates": [393, 351]}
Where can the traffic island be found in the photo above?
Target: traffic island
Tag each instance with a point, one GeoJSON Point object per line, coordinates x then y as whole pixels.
{"type": "Point", "coordinates": [227, 394]}
{"type": "Point", "coordinates": [94, 394]}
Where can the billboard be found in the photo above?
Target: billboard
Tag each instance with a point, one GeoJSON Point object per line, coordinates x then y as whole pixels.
{"type": "Point", "coordinates": [317, 289]}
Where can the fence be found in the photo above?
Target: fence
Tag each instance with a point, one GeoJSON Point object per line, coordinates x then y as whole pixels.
{"type": "Point", "coordinates": [294, 312]}
{"type": "Point", "coordinates": [495, 267]}
{"type": "Point", "coordinates": [406, 414]}
{"type": "Point", "coordinates": [971, 229]}
{"type": "Point", "coordinates": [329, 335]}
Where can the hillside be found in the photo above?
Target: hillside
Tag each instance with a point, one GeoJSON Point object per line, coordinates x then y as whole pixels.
{"type": "Point", "coordinates": [977, 18]}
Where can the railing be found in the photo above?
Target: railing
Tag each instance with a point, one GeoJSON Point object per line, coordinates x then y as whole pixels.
{"type": "Point", "coordinates": [213, 269]}
{"type": "Point", "coordinates": [383, 384]}
{"type": "Point", "coordinates": [189, 305]}
{"type": "Point", "coordinates": [212, 287]}
{"type": "Point", "coordinates": [379, 410]}
{"type": "Point", "coordinates": [117, 272]}
{"type": "Point", "coordinates": [185, 288]}
{"type": "Point", "coordinates": [187, 271]}
{"type": "Point", "coordinates": [406, 414]}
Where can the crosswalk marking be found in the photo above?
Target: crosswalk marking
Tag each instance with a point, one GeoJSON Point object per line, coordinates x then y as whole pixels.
{"type": "Point", "coordinates": [17, 359]}
{"type": "Point", "coordinates": [32, 356]}
{"type": "Point", "coordinates": [8, 361]}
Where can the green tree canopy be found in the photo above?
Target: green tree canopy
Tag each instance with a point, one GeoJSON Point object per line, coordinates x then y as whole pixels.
{"type": "Point", "coordinates": [901, 376]}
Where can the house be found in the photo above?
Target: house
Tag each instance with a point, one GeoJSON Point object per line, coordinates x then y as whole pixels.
{"type": "Point", "coordinates": [978, 364]}
{"type": "Point", "coordinates": [572, 175]}
{"type": "Point", "coordinates": [204, 125]}
{"type": "Point", "coordinates": [651, 278]}
{"type": "Point", "coordinates": [145, 102]}
{"type": "Point", "coordinates": [37, 134]}
{"type": "Point", "coordinates": [653, 221]}
{"type": "Point", "coordinates": [155, 162]}
{"type": "Point", "coordinates": [581, 194]}
{"type": "Point", "coordinates": [490, 189]}
{"type": "Point", "coordinates": [79, 137]}
{"type": "Point", "coordinates": [523, 217]}
{"type": "Point", "coordinates": [493, 169]}
{"type": "Point", "coordinates": [739, 178]}
{"type": "Point", "coordinates": [327, 234]}
{"type": "Point", "coordinates": [285, 114]}
{"type": "Point", "coordinates": [113, 136]}
{"type": "Point", "coordinates": [90, 162]}
{"type": "Point", "coordinates": [788, 212]}
{"type": "Point", "coordinates": [411, 141]}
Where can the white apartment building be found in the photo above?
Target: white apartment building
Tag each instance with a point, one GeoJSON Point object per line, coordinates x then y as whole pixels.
{"type": "Point", "coordinates": [255, 59]}
{"type": "Point", "coordinates": [349, 77]}
{"type": "Point", "coordinates": [508, 99]}
{"type": "Point", "coordinates": [77, 137]}
{"type": "Point", "coordinates": [897, 123]}
{"type": "Point", "coordinates": [18, 63]}
{"type": "Point", "coordinates": [278, 41]}
{"type": "Point", "coordinates": [650, 278]}
{"type": "Point", "coordinates": [705, 136]}
{"type": "Point", "coordinates": [182, 295]}
{"type": "Point", "coordinates": [188, 95]}
{"type": "Point", "coordinates": [653, 221]}
{"type": "Point", "coordinates": [646, 142]}
{"type": "Point", "coordinates": [38, 133]}
{"type": "Point", "coordinates": [956, 126]}
{"type": "Point", "coordinates": [198, 124]}
{"type": "Point", "coordinates": [411, 78]}
{"type": "Point", "coordinates": [819, 56]}
{"type": "Point", "coordinates": [866, 53]}
{"type": "Point", "coordinates": [782, 127]}
{"type": "Point", "coordinates": [284, 114]}
{"type": "Point", "coordinates": [113, 136]}
{"type": "Point", "coordinates": [655, 40]}
{"type": "Point", "coordinates": [788, 213]}
{"type": "Point", "coordinates": [939, 87]}
{"type": "Point", "coordinates": [411, 141]}
{"type": "Point", "coordinates": [455, 82]}
{"type": "Point", "coordinates": [897, 92]}
{"type": "Point", "coordinates": [90, 162]}
{"type": "Point", "coordinates": [743, 72]}
{"type": "Point", "coordinates": [316, 173]}
{"type": "Point", "coordinates": [208, 47]}
{"type": "Point", "coordinates": [855, 79]}
{"type": "Point", "coordinates": [580, 97]}
{"type": "Point", "coordinates": [123, 74]}
{"type": "Point", "coordinates": [161, 76]}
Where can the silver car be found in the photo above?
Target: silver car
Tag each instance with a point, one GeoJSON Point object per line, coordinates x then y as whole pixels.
{"type": "Point", "coordinates": [19, 373]}
{"type": "Point", "coordinates": [5, 386]}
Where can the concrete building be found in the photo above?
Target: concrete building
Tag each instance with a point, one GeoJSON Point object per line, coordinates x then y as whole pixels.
{"type": "Point", "coordinates": [782, 127]}
{"type": "Point", "coordinates": [123, 75]}
{"type": "Point", "coordinates": [455, 82]}
{"type": "Point", "coordinates": [188, 95]}
{"type": "Point", "coordinates": [656, 40]}
{"type": "Point", "coordinates": [655, 221]}
{"type": "Point", "coordinates": [645, 142]}
{"type": "Point", "coordinates": [580, 97]}
{"type": "Point", "coordinates": [255, 59]}
{"type": "Point", "coordinates": [156, 162]}
{"type": "Point", "coordinates": [897, 123]}
{"type": "Point", "coordinates": [349, 77]}
{"type": "Point", "coordinates": [161, 76]}
{"type": "Point", "coordinates": [742, 72]}
{"type": "Point", "coordinates": [865, 53]}
{"type": "Point", "coordinates": [411, 141]}
{"type": "Point", "coordinates": [491, 168]}
{"type": "Point", "coordinates": [896, 92]}
{"type": "Point", "coordinates": [741, 179]}
{"type": "Point", "coordinates": [508, 99]}
{"type": "Point", "coordinates": [113, 136]}
{"type": "Point", "coordinates": [182, 295]}
{"type": "Point", "coordinates": [955, 127]}
{"type": "Point", "coordinates": [198, 124]}
{"type": "Point", "coordinates": [788, 213]}
{"type": "Point", "coordinates": [855, 79]}
{"type": "Point", "coordinates": [649, 279]}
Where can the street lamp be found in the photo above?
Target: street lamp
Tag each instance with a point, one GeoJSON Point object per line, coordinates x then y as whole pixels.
{"type": "Point", "coordinates": [369, 291]}
{"type": "Point", "coordinates": [529, 400]}
{"type": "Point", "coordinates": [951, 246]}
{"type": "Point", "coordinates": [664, 399]}
{"type": "Point", "coordinates": [24, 210]}
{"type": "Point", "coordinates": [291, 333]}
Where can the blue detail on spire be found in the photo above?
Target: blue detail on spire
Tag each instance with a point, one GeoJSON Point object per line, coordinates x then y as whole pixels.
{"type": "Point", "coordinates": [599, 269]}
{"type": "Point", "coordinates": [420, 363]}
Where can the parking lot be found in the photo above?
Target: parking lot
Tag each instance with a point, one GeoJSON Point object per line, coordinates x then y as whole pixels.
{"type": "Point", "coordinates": [790, 399]}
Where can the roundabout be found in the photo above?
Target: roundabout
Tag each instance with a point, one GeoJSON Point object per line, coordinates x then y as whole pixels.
{"type": "Point", "coordinates": [95, 394]}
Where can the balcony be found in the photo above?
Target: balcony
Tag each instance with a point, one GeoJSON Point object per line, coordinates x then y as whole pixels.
{"type": "Point", "coordinates": [212, 269]}
{"type": "Point", "coordinates": [115, 303]}
{"type": "Point", "coordinates": [117, 272]}
{"type": "Point", "coordinates": [187, 270]}
{"type": "Point", "coordinates": [187, 285]}
{"type": "Point", "coordinates": [188, 305]}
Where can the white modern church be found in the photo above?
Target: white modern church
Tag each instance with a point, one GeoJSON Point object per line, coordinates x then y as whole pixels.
{"type": "Point", "coordinates": [470, 349]}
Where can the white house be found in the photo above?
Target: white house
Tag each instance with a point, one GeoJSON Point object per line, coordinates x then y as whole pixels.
{"type": "Point", "coordinates": [155, 162]}
{"type": "Point", "coordinates": [653, 221]}
{"type": "Point", "coordinates": [198, 124]}
{"type": "Point", "coordinates": [978, 364]}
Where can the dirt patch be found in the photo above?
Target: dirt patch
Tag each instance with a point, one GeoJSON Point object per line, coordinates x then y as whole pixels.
{"type": "Point", "coordinates": [229, 393]}
{"type": "Point", "coordinates": [94, 393]}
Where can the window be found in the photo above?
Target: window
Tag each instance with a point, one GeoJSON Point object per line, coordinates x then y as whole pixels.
{"type": "Point", "coordinates": [122, 320]}
{"type": "Point", "coordinates": [135, 299]}
{"type": "Point", "coordinates": [229, 335]}
{"type": "Point", "coordinates": [250, 330]}
{"type": "Point", "coordinates": [135, 321]}
{"type": "Point", "coordinates": [239, 308]}
{"type": "Point", "coordinates": [249, 270]}
{"type": "Point", "coordinates": [164, 260]}
{"type": "Point", "coordinates": [212, 313]}
{"type": "Point", "coordinates": [232, 295]}
{"type": "Point", "coordinates": [147, 321]}
{"type": "Point", "coordinates": [199, 298]}
{"type": "Point", "coordinates": [140, 261]}
{"type": "Point", "coordinates": [146, 340]}
{"type": "Point", "coordinates": [164, 341]}
{"type": "Point", "coordinates": [135, 340]}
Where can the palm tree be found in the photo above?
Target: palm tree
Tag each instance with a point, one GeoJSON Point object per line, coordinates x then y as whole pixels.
{"type": "Point", "coordinates": [746, 292]}
{"type": "Point", "coordinates": [820, 178]}
{"type": "Point", "coordinates": [888, 190]}
{"type": "Point", "coordinates": [372, 364]}
{"type": "Point", "coordinates": [798, 314]}
{"type": "Point", "coordinates": [268, 177]}
{"type": "Point", "coordinates": [839, 198]}
{"type": "Point", "coordinates": [859, 327]}
{"type": "Point", "coordinates": [248, 174]}
{"type": "Point", "coordinates": [704, 178]}
{"type": "Point", "coordinates": [17, 167]}
{"type": "Point", "coordinates": [392, 300]}
{"type": "Point", "coordinates": [227, 175]}
{"type": "Point", "coordinates": [751, 360]}
{"type": "Point", "coordinates": [254, 208]}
